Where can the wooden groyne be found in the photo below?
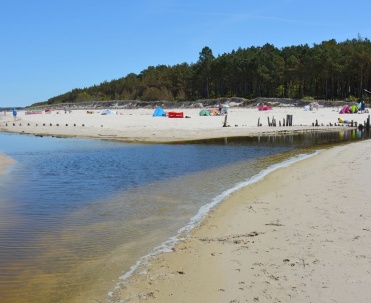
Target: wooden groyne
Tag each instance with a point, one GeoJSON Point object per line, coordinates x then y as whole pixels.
{"type": "Point", "coordinates": [272, 122]}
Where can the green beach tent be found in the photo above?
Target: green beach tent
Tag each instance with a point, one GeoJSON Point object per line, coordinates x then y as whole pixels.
{"type": "Point", "coordinates": [204, 112]}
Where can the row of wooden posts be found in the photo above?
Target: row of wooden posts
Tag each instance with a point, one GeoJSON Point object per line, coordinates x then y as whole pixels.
{"type": "Point", "coordinates": [288, 122]}
{"type": "Point", "coordinates": [44, 124]}
{"type": "Point", "coordinates": [366, 124]}
{"type": "Point", "coordinates": [285, 122]}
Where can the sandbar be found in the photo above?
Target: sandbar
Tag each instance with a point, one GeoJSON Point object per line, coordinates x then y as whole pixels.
{"type": "Point", "coordinates": [138, 125]}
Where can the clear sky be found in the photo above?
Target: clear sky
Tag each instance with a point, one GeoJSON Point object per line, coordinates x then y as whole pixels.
{"type": "Point", "coordinates": [49, 47]}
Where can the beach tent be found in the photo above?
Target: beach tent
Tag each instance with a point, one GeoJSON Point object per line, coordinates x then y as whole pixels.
{"type": "Point", "coordinates": [345, 110]}
{"type": "Point", "coordinates": [204, 112]}
{"type": "Point", "coordinates": [159, 112]}
{"type": "Point", "coordinates": [353, 109]}
{"type": "Point", "coordinates": [314, 105]}
{"type": "Point", "coordinates": [108, 112]}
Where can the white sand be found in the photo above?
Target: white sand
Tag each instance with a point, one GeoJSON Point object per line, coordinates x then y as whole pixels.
{"type": "Point", "coordinates": [301, 235]}
{"type": "Point", "coordinates": [139, 125]}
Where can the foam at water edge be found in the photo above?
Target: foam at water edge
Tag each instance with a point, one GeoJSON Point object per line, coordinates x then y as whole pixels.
{"type": "Point", "coordinates": [168, 245]}
{"type": "Point", "coordinates": [204, 210]}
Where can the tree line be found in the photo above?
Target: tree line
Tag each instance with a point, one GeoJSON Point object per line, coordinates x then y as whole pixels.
{"type": "Point", "coordinates": [326, 71]}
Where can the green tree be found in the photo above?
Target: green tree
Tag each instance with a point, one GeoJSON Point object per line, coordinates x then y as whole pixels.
{"type": "Point", "coordinates": [204, 70]}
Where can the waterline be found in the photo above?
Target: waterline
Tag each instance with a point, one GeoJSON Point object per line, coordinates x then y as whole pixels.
{"type": "Point", "coordinates": [76, 215]}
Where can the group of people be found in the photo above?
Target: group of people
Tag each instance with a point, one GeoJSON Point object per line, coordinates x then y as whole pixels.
{"type": "Point", "coordinates": [359, 108]}
{"type": "Point", "coordinates": [222, 110]}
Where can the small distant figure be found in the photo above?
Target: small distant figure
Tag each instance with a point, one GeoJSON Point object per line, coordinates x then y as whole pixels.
{"type": "Point", "coordinates": [361, 107]}
{"type": "Point", "coordinates": [359, 104]}
{"type": "Point", "coordinates": [220, 109]}
{"type": "Point", "coordinates": [343, 121]}
{"type": "Point", "coordinates": [14, 114]}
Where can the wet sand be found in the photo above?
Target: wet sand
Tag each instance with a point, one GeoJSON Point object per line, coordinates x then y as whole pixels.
{"type": "Point", "coordinates": [300, 235]}
{"type": "Point", "coordinates": [5, 163]}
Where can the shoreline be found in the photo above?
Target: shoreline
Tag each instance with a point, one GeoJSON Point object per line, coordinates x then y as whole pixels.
{"type": "Point", "coordinates": [288, 236]}
{"type": "Point", "coordinates": [139, 126]}
{"type": "Point", "coordinates": [207, 209]}
{"type": "Point", "coordinates": [209, 263]}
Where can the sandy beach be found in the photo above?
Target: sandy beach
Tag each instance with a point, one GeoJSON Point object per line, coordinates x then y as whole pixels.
{"type": "Point", "coordinates": [302, 234]}
{"type": "Point", "coordinates": [135, 125]}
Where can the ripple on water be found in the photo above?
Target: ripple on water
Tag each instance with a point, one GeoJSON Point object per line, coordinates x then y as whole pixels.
{"type": "Point", "coordinates": [77, 213]}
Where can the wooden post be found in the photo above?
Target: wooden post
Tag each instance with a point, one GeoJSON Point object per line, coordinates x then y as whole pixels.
{"type": "Point", "coordinates": [368, 121]}
{"type": "Point", "coordinates": [225, 121]}
{"type": "Point", "coordinates": [269, 123]}
{"type": "Point", "coordinates": [259, 122]}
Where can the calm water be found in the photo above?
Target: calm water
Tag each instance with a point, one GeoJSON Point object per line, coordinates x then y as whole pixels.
{"type": "Point", "coordinates": [76, 214]}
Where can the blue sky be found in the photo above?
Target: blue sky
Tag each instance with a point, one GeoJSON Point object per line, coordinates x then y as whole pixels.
{"type": "Point", "coordinates": [49, 47]}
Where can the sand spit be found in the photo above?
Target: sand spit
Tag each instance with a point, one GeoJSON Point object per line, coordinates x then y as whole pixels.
{"type": "Point", "coordinates": [138, 125]}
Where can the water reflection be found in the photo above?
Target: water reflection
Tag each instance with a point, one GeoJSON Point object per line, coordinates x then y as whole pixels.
{"type": "Point", "coordinates": [299, 140]}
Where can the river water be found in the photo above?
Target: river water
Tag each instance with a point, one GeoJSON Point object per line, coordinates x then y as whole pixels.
{"type": "Point", "coordinates": [76, 214]}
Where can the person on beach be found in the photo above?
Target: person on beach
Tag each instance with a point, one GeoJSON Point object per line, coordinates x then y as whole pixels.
{"type": "Point", "coordinates": [343, 121]}
{"type": "Point", "coordinates": [220, 109]}
{"type": "Point", "coordinates": [14, 114]}
{"type": "Point", "coordinates": [361, 106]}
